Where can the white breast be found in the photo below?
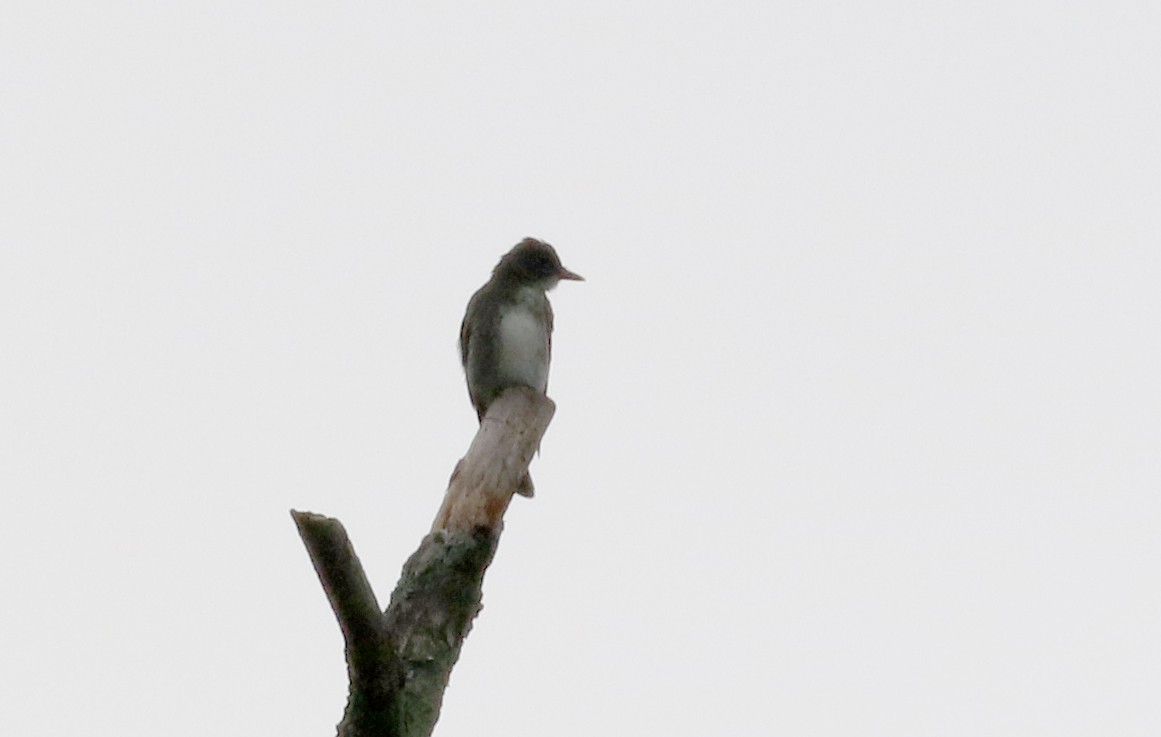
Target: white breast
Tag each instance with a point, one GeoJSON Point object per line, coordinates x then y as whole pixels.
{"type": "Point", "coordinates": [523, 354]}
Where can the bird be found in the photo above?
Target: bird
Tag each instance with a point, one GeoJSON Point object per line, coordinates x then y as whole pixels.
{"type": "Point", "coordinates": [506, 334]}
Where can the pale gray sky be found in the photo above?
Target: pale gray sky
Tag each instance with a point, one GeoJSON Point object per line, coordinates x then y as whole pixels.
{"type": "Point", "coordinates": [858, 411]}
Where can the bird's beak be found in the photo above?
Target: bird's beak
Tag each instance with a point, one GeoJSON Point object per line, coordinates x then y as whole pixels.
{"type": "Point", "coordinates": [566, 274]}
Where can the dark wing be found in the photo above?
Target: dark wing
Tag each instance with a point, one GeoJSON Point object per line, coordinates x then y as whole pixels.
{"type": "Point", "coordinates": [466, 334]}
{"type": "Point", "coordinates": [473, 315]}
{"type": "Point", "coordinates": [476, 349]}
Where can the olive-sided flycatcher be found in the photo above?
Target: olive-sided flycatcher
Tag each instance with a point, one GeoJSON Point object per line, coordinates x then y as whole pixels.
{"type": "Point", "coordinates": [506, 336]}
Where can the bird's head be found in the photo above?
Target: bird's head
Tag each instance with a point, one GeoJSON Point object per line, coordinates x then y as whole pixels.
{"type": "Point", "coordinates": [534, 262]}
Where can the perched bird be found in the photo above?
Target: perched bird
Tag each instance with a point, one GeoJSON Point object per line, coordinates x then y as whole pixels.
{"type": "Point", "coordinates": [506, 335]}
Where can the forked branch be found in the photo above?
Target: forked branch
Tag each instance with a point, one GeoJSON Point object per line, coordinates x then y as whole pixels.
{"type": "Point", "coordinates": [399, 661]}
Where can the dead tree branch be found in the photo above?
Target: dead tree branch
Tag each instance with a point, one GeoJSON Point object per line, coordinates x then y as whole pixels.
{"type": "Point", "coordinates": [399, 661]}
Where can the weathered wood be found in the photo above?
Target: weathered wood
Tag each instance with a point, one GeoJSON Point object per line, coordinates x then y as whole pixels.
{"type": "Point", "coordinates": [373, 669]}
{"type": "Point", "coordinates": [485, 480]}
{"type": "Point", "coordinates": [399, 661]}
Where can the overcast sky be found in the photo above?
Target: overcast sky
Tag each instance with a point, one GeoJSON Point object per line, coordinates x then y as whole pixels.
{"type": "Point", "coordinates": [858, 419]}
